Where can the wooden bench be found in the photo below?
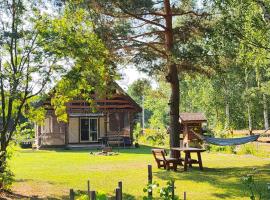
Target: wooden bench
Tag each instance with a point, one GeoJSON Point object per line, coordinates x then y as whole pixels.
{"type": "Point", "coordinates": [117, 140]}
{"type": "Point", "coordinates": [165, 162]}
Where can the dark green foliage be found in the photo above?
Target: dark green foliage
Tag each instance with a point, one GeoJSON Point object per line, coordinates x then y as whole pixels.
{"type": "Point", "coordinates": [253, 188]}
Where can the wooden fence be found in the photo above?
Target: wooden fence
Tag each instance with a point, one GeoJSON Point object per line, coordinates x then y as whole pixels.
{"type": "Point", "coordinates": [92, 195]}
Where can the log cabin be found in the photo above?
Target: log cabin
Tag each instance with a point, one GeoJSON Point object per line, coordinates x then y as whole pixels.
{"type": "Point", "coordinates": [113, 123]}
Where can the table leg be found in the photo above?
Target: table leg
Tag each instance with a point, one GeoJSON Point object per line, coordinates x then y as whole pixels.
{"type": "Point", "coordinates": [189, 158]}
{"type": "Point", "coordinates": [200, 160]}
{"type": "Point", "coordinates": [186, 161]}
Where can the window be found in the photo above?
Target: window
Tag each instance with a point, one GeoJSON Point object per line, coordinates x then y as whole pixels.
{"type": "Point", "coordinates": [89, 129]}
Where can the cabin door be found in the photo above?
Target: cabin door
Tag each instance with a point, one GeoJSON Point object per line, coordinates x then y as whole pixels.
{"type": "Point", "coordinates": [89, 129]}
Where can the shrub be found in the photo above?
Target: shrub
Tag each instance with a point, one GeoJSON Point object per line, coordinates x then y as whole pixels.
{"type": "Point", "coordinates": [155, 137]}
{"type": "Point", "coordinates": [247, 149]}
{"type": "Point", "coordinates": [225, 149]}
{"type": "Point", "coordinates": [80, 195]}
{"type": "Point", "coordinates": [7, 176]}
{"type": "Point", "coordinates": [165, 193]}
{"type": "Point", "coordinates": [253, 188]}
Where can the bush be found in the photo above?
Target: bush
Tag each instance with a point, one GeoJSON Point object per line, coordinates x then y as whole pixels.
{"type": "Point", "coordinates": [253, 187]}
{"type": "Point", "coordinates": [155, 137]}
{"type": "Point", "coordinates": [165, 193]}
{"type": "Point", "coordinates": [224, 149]}
{"type": "Point", "coordinates": [7, 177]}
{"type": "Point", "coordinates": [80, 195]}
{"type": "Point", "coordinates": [247, 149]}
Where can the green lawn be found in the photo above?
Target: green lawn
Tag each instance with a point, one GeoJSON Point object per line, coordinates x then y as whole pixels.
{"type": "Point", "coordinates": [52, 173]}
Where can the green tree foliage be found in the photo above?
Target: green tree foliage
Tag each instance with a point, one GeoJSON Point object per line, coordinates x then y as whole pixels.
{"type": "Point", "coordinates": [138, 89]}
{"type": "Point", "coordinates": [70, 37]}
{"type": "Point", "coordinates": [36, 49]}
{"type": "Point", "coordinates": [235, 96]}
{"type": "Point", "coordinates": [25, 68]}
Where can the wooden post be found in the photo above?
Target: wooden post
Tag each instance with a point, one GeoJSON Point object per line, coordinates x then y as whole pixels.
{"type": "Point", "coordinates": [117, 194]}
{"type": "Point", "coordinates": [120, 185]}
{"type": "Point", "coordinates": [71, 194]}
{"type": "Point", "coordinates": [172, 189]}
{"type": "Point", "coordinates": [150, 179]}
{"type": "Point", "coordinates": [93, 195]}
{"type": "Point", "coordinates": [88, 189]}
{"type": "Point", "coordinates": [185, 196]}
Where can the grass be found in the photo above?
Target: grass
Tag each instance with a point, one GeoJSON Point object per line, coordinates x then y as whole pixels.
{"type": "Point", "coordinates": [50, 174]}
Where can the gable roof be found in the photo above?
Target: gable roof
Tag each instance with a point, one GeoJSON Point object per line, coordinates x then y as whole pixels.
{"type": "Point", "coordinates": [192, 117]}
{"type": "Point", "coordinates": [119, 100]}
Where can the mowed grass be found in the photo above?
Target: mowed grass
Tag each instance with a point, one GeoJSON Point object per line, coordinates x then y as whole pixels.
{"type": "Point", "coordinates": [50, 174]}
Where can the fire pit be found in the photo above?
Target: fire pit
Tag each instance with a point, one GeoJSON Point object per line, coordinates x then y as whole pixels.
{"type": "Point", "coordinates": [106, 151]}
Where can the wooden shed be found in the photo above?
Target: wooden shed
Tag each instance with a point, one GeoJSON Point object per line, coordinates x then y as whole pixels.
{"type": "Point", "coordinates": [189, 122]}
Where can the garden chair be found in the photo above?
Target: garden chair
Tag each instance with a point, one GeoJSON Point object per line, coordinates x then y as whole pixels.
{"type": "Point", "coordinates": [165, 162]}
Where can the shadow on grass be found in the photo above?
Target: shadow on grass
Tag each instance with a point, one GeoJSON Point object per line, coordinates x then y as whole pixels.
{"type": "Point", "coordinates": [7, 195]}
{"type": "Point", "coordinates": [228, 179]}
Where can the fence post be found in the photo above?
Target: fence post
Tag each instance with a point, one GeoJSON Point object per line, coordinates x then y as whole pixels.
{"type": "Point", "coordinates": [185, 196]}
{"type": "Point", "coordinates": [71, 194]}
{"type": "Point", "coordinates": [120, 185]}
{"type": "Point", "coordinates": [117, 194]}
{"type": "Point", "coordinates": [88, 189]}
{"type": "Point", "coordinates": [172, 189]}
{"type": "Point", "coordinates": [93, 195]}
{"type": "Point", "coordinates": [150, 179]}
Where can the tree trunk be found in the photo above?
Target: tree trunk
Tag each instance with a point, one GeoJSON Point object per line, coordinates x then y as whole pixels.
{"type": "Point", "coordinates": [227, 113]}
{"type": "Point", "coordinates": [249, 118]}
{"type": "Point", "coordinates": [174, 109]}
{"type": "Point", "coordinates": [3, 154]}
{"type": "Point", "coordinates": [265, 112]}
{"type": "Point", "coordinates": [173, 79]}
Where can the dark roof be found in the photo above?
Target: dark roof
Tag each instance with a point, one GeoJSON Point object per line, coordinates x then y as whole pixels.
{"type": "Point", "coordinates": [190, 117]}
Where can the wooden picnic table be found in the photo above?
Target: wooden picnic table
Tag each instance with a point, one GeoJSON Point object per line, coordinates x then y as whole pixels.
{"type": "Point", "coordinates": [188, 160]}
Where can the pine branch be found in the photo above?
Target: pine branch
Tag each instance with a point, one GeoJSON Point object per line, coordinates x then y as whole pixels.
{"type": "Point", "coordinates": [142, 35]}
{"type": "Point", "coordinates": [136, 16]}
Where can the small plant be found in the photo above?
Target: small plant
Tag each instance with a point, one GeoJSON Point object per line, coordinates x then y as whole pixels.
{"type": "Point", "coordinates": [255, 191]}
{"type": "Point", "coordinates": [165, 193]}
{"type": "Point", "coordinates": [82, 195]}
{"type": "Point", "coordinates": [150, 188]}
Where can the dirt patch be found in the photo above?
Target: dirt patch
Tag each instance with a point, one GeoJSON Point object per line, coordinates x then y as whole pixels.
{"type": "Point", "coordinates": [36, 191]}
{"type": "Point", "coordinates": [8, 195]}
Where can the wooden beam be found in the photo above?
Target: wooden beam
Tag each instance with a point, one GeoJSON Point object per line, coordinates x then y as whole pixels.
{"type": "Point", "coordinates": [101, 101]}
{"type": "Point", "coordinates": [101, 107]}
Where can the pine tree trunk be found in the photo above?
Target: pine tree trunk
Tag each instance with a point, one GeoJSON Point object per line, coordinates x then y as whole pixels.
{"type": "Point", "coordinates": [265, 112]}
{"type": "Point", "coordinates": [173, 79]}
{"type": "Point", "coordinates": [174, 108]}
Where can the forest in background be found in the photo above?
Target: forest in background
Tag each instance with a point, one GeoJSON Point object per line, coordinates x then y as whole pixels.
{"type": "Point", "coordinates": [233, 91]}
{"type": "Point", "coordinates": [225, 100]}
